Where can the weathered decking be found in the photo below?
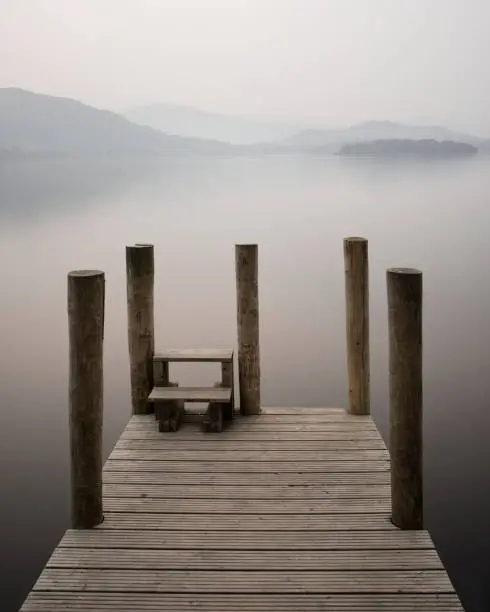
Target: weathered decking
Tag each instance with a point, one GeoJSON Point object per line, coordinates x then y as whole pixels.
{"type": "Point", "coordinates": [289, 510]}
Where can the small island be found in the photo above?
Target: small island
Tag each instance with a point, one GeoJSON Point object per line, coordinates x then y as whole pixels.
{"type": "Point", "coordinates": [408, 148]}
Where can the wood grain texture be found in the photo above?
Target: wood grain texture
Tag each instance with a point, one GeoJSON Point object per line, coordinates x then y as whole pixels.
{"type": "Point", "coordinates": [332, 412]}
{"type": "Point", "coordinates": [362, 428]}
{"type": "Point", "coordinates": [249, 540]}
{"type": "Point", "coordinates": [357, 318]}
{"type": "Point", "coordinates": [79, 601]}
{"type": "Point", "coordinates": [405, 383]}
{"type": "Point", "coordinates": [231, 443]}
{"type": "Point", "coordinates": [245, 560]}
{"type": "Point", "coordinates": [297, 415]}
{"type": "Point", "coordinates": [288, 479]}
{"type": "Point", "coordinates": [190, 434]}
{"type": "Point", "coordinates": [86, 298]}
{"type": "Point", "coordinates": [199, 355]}
{"type": "Point", "coordinates": [212, 581]}
{"type": "Point", "coordinates": [289, 419]}
{"type": "Point", "coordinates": [247, 292]}
{"type": "Point", "coordinates": [140, 276]}
{"type": "Point", "coordinates": [154, 505]}
{"type": "Point", "coordinates": [247, 522]}
{"type": "Point", "coordinates": [253, 456]}
{"type": "Point", "coordinates": [277, 492]}
{"type": "Point", "coordinates": [309, 426]}
{"type": "Point", "coordinates": [190, 394]}
{"type": "Point", "coordinates": [250, 467]}
{"type": "Point", "coordinates": [294, 520]}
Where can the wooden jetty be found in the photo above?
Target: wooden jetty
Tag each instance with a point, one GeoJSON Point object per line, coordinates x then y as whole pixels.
{"type": "Point", "coordinates": [253, 509]}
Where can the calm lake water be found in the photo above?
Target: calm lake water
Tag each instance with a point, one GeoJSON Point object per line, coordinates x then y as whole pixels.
{"type": "Point", "coordinates": [56, 216]}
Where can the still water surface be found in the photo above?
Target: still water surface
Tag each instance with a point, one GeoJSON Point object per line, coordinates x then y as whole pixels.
{"type": "Point", "coordinates": [56, 216]}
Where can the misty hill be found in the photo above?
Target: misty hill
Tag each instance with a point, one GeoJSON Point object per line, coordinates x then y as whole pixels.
{"type": "Point", "coordinates": [192, 122]}
{"type": "Point", "coordinates": [332, 140]}
{"type": "Point", "coordinates": [409, 148]}
{"type": "Point", "coordinates": [33, 123]}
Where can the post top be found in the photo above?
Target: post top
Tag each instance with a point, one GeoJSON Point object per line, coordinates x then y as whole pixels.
{"type": "Point", "coordinates": [355, 239]}
{"type": "Point", "coordinates": [404, 271]}
{"type": "Point", "coordinates": [246, 245]}
{"type": "Point", "coordinates": [85, 273]}
{"type": "Point", "coordinates": [140, 245]}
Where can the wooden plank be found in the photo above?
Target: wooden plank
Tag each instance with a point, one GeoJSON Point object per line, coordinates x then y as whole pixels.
{"type": "Point", "coordinates": [191, 433]}
{"type": "Point", "coordinates": [334, 411]}
{"type": "Point", "coordinates": [247, 522]}
{"type": "Point", "coordinates": [199, 602]}
{"type": "Point", "coordinates": [168, 444]}
{"type": "Point", "coordinates": [143, 581]}
{"type": "Point", "coordinates": [293, 414]}
{"type": "Point", "coordinates": [246, 466]}
{"type": "Point", "coordinates": [299, 457]}
{"type": "Point", "coordinates": [283, 492]}
{"type": "Point", "coordinates": [304, 426]}
{"type": "Point", "coordinates": [228, 560]}
{"type": "Point", "coordinates": [194, 355]}
{"type": "Point", "coordinates": [346, 423]}
{"type": "Point", "coordinates": [247, 506]}
{"type": "Point", "coordinates": [190, 394]}
{"type": "Point", "coordinates": [354, 430]}
{"type": "Point", "coordinates": [307, 417]}
{"type": "Point", "coordinates": [289, 479]}
{"type": "Point", "coordinates": [248, 540]}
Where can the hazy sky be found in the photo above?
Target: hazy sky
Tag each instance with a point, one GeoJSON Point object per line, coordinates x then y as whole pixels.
{"type": "Point", "coordinates": [341, 61]}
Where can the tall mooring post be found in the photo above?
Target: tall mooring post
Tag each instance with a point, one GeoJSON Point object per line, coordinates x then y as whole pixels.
{"type": "Point", "coordinates": [86, 297]}
{"type": "Point", "coordinates": [405, 357]}
{"type": "Point", "coordinates": [357, 319]}
{"type": "Point", "coordinates": [247, 289]}
{"type": "Point", "coordinates": [140, 276]}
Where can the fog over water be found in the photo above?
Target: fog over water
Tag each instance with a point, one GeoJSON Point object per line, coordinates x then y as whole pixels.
{"type": "Point", "coordinates": [57, 216]}
{"type": "Point", "coordinates": [327, 61]}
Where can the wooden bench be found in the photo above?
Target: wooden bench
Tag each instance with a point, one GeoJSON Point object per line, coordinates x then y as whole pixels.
{"type": "Point", "coordinates": [170, 399]}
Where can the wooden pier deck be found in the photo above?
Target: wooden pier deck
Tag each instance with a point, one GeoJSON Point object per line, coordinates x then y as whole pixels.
{"type": "Point", "coordinates": [284, 511]}
{"type": "Point", "coordinates": [279, 509]}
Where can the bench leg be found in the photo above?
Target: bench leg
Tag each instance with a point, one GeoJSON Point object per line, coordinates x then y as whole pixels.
{"type": "Point", "coordinates": [179, 404]}
{"type": "Point", "coordinates": [213, 419]}
{"type": "Point", "coordinates": [228, 381]}
{"type": "Point", "coordinates": [161, 377]}
{"type": "Point", "coordinates": [170, 415]}
{"type": "Point", "coordinates": [215, 415]}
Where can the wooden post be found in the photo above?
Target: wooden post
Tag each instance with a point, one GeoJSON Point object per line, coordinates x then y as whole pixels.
{"type": "Point", "coordinates": [246, 263]}
{"type": "Point", "coordinates": [357, 316]}
{"type": "Point", "coordinates": [140, 274]}
{"type": "Point", "coordinates": [86, 296]}
{"type": "Point", "coordinates": [405, 341]}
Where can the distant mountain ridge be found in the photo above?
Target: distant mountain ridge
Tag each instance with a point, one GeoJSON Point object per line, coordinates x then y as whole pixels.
{"type": "Point", "coordinates": [188, 121]}
{"type": "Point", "coordinates": [281, 136]}
{"type": "Point", "coordinates": [36, 123]}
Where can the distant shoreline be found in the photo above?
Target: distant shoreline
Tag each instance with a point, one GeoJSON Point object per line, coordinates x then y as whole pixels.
{"type": "Point", "coordinates": [394, 148]}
